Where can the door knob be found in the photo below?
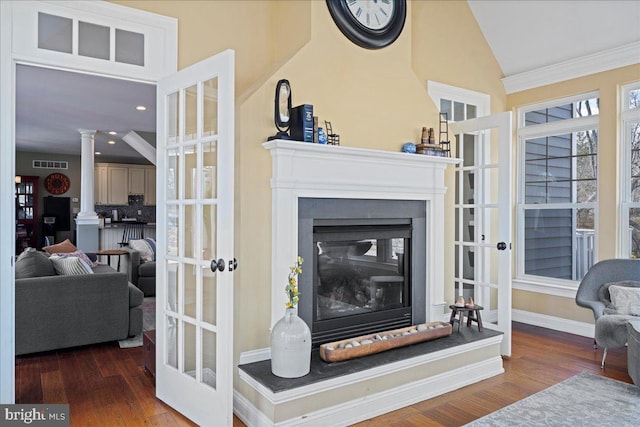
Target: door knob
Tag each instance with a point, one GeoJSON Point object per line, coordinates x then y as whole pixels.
{"type": "Point", "coordinates": [217, 265]}
{"type": "Point", "coordinates": [233, 264]}
{"type": "Point", "coordinates": [501, 246]}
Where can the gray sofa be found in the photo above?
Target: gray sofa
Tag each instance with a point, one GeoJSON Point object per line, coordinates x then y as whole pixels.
{"type": "Point", "coordinates": [143, 275]}
{"type": "Point", "coordinates": [57, 311]}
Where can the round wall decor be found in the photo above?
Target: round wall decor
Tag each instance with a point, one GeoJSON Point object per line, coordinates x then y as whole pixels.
{"type": "Point", "coordinates": [56, 183]}
{"type": "Point", "coordinates": [371, 24]}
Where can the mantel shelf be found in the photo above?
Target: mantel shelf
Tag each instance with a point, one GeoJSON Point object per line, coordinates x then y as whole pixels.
{"type": "Point", "coordinates": [342, 151]}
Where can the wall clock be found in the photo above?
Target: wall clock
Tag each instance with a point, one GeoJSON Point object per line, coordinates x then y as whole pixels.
{"type": "Point", "coordinates": [56, 183]}
{"type": "Point", "coordinates": [372, 24]}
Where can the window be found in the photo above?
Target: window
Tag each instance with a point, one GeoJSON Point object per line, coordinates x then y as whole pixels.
{"type": "Point", "coordinates": [630, 197]}
{"type": "Point", "coordinates": [558, 181]}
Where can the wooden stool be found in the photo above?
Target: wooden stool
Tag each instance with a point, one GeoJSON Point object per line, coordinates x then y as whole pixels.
{"type": "Point", "coordinates": [473, 314]}
{"type": "Point", "coordinates": [112, 252]}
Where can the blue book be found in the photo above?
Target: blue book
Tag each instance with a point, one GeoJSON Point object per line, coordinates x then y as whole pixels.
{"type": "Point", "coordinates": [302, 123]}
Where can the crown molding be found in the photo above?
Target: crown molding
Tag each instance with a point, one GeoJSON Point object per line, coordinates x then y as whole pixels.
{"type": "Point", "coordinates": [602, 61]}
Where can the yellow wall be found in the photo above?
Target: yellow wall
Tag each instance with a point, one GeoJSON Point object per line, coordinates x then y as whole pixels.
{"type": "Point", "coordinates": [374, 99]}
{"type": "Point", "coordinates": [607, 83]}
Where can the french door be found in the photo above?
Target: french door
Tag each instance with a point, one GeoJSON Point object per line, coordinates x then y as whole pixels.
{"type": "Point", "coordinates": [194, 330]}
{"type": "Point", "coordinates": [483, 217]}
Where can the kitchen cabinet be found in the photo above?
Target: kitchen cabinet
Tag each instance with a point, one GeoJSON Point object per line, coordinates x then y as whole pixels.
{"type": "Point", "coordinates": [114, 183]}
{"type": "Point", "coordinates": [117, 185]}
{"type": "Point", "coordinates": [100, 194]}
{"type": "Point", "coordinates": [150, 186]}
{"type": "Point", "coordinates": [136, 180]}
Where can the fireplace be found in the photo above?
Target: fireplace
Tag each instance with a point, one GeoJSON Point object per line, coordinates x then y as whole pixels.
{"type": "Point", "coordinates": [325, 177]}
{"type": "Point", "coordinates": [359, 276]}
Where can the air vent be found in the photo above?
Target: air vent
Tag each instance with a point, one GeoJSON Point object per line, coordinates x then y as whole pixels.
{"type": "Point", "coordinates": [50, 164]}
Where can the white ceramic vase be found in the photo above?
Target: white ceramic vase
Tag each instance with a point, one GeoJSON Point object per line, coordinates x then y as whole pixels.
{"type": "Point", "coordinates": [290, 346]}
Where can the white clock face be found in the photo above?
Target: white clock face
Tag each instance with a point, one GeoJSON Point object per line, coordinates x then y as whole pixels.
{"type": "Point", "coordinates": [372, 14]}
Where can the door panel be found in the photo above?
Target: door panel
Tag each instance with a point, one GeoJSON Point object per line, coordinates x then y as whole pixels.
{"type": "Point", "coordinates": [195, 207]}
{"type": "Point", "coordinates": [483, 218]}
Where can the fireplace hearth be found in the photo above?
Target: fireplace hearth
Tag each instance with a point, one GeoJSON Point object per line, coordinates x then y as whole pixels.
{"type": "Point", "coordinates": [359, 276]}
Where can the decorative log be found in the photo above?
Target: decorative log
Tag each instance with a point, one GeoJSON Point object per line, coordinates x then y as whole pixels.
{"type": "Point", "coordinates": [382, 341]}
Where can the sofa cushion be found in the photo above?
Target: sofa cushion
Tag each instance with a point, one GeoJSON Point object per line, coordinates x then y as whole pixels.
{"type": "Point", "coordinates": [32, 263]}
{"type": "Point", "coordinates": [62, 247]}
{"type": "Point", "coordinates": [146, 247]}
{"type": "Point", "coordinates": [148, 269]}
{"type": "Point", "coordinates": [625, 299]}
{"type": "Point", "coordinates": [70, 266]}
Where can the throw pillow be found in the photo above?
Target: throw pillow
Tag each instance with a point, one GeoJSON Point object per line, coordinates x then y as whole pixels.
{"type": "Point", "coordinates": [146, 247]}
{"type": "Point", "coordinates": [32, 263]}
{"type": "Point", "coordinates": [61, 248]}
{"type": "Point", "coordinates": [79, 254]}
{"type": "Point", "coordinates": [626, 300]}
{"type": "Point", "coordinates": [605, 297]}
{"type": "Point", "coordinates": [70, 266]}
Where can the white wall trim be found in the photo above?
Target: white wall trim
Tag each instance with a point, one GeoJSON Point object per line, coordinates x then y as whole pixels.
{"type": "Point", "coordinates": [555, 323]}
{"type": "Point", "coordinates": [438, 91]}
{"type": "Point", "coordinates": [590, 64]}
{"type": "Point", "coordinates": [7, 216]}
{"type": "Point", "coordinates": [554, 289]}
{"type": "Point", "coordinates": [373, 405]}
{"type": "Point", "coordinates": [256, 355]}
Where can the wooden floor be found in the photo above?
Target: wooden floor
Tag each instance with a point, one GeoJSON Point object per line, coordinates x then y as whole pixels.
{"type": "Point", "coordinates": [108, 386]}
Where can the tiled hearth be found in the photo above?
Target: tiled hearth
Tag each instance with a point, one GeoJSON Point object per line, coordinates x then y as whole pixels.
{"type": "Point", "coordinates": [347, 392]}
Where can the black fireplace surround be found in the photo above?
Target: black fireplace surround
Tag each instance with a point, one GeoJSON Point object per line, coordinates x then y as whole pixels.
{"type": "Point", "coordinates": [362, 272]}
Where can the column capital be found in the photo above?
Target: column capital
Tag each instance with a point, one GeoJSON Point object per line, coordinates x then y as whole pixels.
{"type": "Point", "coordinates": [87, 131]}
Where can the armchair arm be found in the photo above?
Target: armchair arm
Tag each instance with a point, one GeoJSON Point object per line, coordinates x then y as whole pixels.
{"type": "Point", "coordinates": [134, 264]}
{"type": "Point", "coordinates": [596, 306]}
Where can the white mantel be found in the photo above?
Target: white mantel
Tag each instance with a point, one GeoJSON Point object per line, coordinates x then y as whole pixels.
{"type": "Point", "coordinates": [324, 171]}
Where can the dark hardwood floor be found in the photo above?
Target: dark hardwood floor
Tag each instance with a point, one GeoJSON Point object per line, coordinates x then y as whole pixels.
{"type": "Point", "coordinates": [106, 385]}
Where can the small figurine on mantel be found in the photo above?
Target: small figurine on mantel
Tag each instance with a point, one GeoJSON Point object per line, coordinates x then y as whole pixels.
{"type": "Point", "coordinates": [428, 144]}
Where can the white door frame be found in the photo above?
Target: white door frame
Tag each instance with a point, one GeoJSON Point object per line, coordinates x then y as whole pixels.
{"type": "Point", "coordinates": [161, 35]}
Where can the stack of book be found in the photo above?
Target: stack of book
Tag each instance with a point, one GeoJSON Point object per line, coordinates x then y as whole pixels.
{"type": "Point", "coordinates": [431, 150]}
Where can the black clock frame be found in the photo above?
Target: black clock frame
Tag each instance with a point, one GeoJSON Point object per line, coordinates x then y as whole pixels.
{"type": "Point", "coordinates": [363, 36]}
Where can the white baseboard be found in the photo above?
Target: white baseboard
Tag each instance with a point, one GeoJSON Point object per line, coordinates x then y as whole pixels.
{"type": "Point", "coordinates": [373, 405]}
{"type": "Point", "coordinates": [257, 355]}
{"type": "Point", "coordinates": [555, 323]}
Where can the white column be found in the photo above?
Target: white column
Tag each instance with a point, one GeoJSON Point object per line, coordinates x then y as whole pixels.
{"type": "Point", "coordinates": [87, 220]}
{"type": "Point", "coordinates": [87, 208]}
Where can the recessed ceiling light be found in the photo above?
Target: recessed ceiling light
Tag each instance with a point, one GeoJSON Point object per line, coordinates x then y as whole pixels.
{"type": "Point", "coordinates": [98, 153]}
{"type": "Point", "coordinates": [111, 142]}
{"type": "Point", "coordinates": [113, 132]}
{"type": "Point", "coordinates": [141, 108]}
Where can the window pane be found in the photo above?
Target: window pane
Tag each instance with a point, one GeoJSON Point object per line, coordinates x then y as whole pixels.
{"type": "Point", "coordinates": [458, 111]}
{"type": "Point", "coordinates": [129, 47]}
{"type": "Point", "coordinates": [54, 32]}
{"type": "Point", "coordinates": [471, 111]}
{"type": "Point", "coordinates": [635, 161]}
{"type": "Point", "coordinates": [634, 99]}
{"type": "Point", "coordinates": [548, 240]}
{"type": "Point", "coordinates": [634, 232]}
{"type": "Point", "coordinates": [93, 40]}
{"type": "Point", "coordinates": [583, 108]}
{"type": "Point", "coordinates": [445, 107]}
{"type": "Point", "coordinates": [561, 168]}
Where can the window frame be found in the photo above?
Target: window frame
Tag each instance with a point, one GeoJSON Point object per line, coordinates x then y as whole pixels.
{"type": "Point", "coordinates": [531, 282]}
{"type": "Point", "coordinates": [627, 117]}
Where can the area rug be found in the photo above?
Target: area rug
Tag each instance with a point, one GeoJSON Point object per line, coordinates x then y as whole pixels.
{"type": "Point", "coordinates": [148, 323]}
{"type": "Point", "coordinates": [585, 399]}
